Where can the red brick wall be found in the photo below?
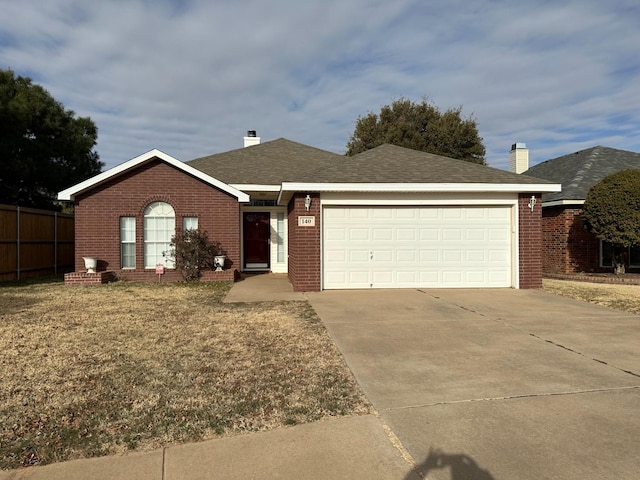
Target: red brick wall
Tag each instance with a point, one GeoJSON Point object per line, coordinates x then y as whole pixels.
{"type": "Point", "coordinates": [530, 242]}
{"type": "Point", "coordinates": [304, 244]}
{"type": "Point", "coordinates": [567, 246]}
{"type": "Point", "coordinates": [98, 212]}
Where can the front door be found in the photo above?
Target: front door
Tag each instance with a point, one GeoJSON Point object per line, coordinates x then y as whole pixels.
{"type": "Point", "coordinates": [256, 240]}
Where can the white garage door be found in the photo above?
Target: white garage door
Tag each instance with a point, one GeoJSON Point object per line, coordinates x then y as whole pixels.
{"type": "Point", "coordinates": [409, 247]}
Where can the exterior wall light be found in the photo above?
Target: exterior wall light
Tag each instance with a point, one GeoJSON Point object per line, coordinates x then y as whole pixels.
{"type": "Point", "coordinates": [532, 202]}
{"type": "Point", "coordinates": [307, 202]}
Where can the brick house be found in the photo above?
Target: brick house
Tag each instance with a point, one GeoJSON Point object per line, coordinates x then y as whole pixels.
{"type": "Point", "coordinates": [568, 246]}
{"type": "Point", "coordinates": [386, 218]}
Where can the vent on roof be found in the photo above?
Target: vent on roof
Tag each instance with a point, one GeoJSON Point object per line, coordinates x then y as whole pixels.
{"type": "Point", "coordinates": [251, 138]}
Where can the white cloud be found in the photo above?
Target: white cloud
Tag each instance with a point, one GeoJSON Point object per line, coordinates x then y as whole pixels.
{"type": "Point", "coordinates": [190, 77]}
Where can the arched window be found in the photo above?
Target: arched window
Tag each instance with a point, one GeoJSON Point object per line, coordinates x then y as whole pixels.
{"type": "Point", "coordinates": [159, 227]}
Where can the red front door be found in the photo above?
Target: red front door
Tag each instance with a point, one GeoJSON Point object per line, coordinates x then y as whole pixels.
{"type": "Point", "coordinates": [256, 240]}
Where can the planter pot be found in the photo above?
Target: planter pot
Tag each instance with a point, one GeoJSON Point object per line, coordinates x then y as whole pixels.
{"type": "Point", "coordinates": [90, 263]}
{"type": "Point", "coordinates": [218, 262]}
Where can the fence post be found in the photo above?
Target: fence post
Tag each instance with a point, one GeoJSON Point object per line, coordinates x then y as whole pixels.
{"type": "Point", "coordinates": [55, 243]}
{"type": "Point", "coordinates": [18, 243]}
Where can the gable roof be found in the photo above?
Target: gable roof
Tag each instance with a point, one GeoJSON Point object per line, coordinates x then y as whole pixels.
{"type": "Point", "coordinates": [92, 182]}
{"type": "Point", "coordinates": [268, 163]}
{"type": "Point", "coordinates": [579, 171]}
{"type": "Point", "coordinates": [391, 163]}
{"type": "Point", "coordinates": [283, 161]}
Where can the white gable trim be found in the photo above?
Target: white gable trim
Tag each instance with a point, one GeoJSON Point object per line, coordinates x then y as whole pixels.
{"type": "Point", "coordinates": [70, 192]}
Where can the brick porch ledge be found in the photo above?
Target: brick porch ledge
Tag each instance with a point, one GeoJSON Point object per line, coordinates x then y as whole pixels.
{"type": "Point", "coordinates": [627, 278]}
{"type": "Point", "coordinates": [84, 278]}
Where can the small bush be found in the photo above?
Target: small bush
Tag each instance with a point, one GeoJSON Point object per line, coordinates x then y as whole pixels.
{"type": "Point", "coordinates": [193, 253]}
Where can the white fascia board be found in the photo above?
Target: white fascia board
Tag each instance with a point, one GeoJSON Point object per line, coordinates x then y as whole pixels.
{"type": "Point", "coordinates": [252, 187]}
{"type": "Point", "coordinates": [70, 192]}
{"type": "Point", "coordinates": [562, 203]}
{"type": "Point", "coordinates": [421, 187]}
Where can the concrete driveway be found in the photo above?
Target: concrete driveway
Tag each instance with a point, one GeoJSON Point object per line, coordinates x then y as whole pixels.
{"type": "Point", "coordinates": [496, 384]}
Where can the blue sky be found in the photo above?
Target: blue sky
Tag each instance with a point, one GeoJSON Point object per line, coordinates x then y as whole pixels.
{"type": "Point", "coordinates": [190, 77]}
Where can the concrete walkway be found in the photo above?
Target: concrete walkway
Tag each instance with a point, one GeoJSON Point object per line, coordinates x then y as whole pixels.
{"type": "Point", "coordinates": [263, 287]}
{"type": "Point", "coordinates": [346, 448]}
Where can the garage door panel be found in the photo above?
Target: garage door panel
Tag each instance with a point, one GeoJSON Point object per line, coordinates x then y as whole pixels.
{"type": "Point", "coordinates": [359, 234]}
{"type": "Point", "coordinates": [451, 234]}
{"type": "Point", "coordinates": [407, 247]}
{"type": "Point", "coordinates": [429, 234]}
{"type": "Point", "coordinates": [406, 256]}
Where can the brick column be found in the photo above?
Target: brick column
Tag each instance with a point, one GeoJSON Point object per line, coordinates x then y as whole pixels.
{"type": "Point", "coordinates": [304, 244]}
{"type": "Point", "coordinates": [530, 241]}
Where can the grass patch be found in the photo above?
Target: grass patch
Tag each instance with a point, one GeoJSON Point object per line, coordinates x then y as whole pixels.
{"type": "Point", "coordinates": [618, 296]}
{"type": "Point", "coordinates": [90, 371]}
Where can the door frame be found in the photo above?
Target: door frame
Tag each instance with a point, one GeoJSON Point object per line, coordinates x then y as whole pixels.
{"type": "Point", "coordinates": [274, 265]}
{"type": "Point", "coordinates": [266, 213]}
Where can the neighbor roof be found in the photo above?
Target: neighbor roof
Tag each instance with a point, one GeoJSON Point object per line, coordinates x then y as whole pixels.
{"type": "Point", "coordinates": [579, 171]}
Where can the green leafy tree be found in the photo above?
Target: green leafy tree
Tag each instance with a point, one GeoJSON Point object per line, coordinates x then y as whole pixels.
{"type": "Point", "coordinates": [44, 148]}
{"type": "Point", "coordinates": [612, 210]}
{"type": "Point", "coordinates": [419, 126]}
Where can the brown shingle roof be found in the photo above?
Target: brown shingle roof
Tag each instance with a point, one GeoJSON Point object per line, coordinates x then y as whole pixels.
{"type": "Point", "coordinates": [281, 160]}
{"type": "Point", "coordinates": [269, 163]}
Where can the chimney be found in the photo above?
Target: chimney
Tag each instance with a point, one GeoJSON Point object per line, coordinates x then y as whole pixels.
{"type": "Point", "coordinates": [251, 139]}
{"type": "Point", "coordinates": [519, 158]}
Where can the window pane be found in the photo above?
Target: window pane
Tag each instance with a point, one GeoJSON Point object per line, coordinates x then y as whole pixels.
{"type": "Point", "coordinates": [606, 253]}
{"type": "Point", "coordinates": [280, 237]}
{"type": "Point", "coordinates": [127, 242]}
{"type": "Point", "coordinates": [159, 228]}
{"type": "Point", "coordinates": [189, 223]}
{"type": "Point", "coordinates": [634, 256]}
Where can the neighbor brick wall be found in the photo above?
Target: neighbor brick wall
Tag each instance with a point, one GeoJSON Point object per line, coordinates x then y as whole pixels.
{"type": "Point", "coordinates": [98, 212]}
{"type": "Point", "coordinates": [304, 244]}
{"type": "Point", "coordinates": [567, 246]}
{"type": "Point", "coordinates": [530, 241]}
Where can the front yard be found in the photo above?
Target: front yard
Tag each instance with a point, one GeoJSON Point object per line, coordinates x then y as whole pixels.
{"type": "Point", "coordinates": [618, 296]}
{"type": "Point", "coordinates": [89, 371]}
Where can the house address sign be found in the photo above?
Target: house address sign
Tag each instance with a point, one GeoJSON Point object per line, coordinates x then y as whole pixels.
{"type": "Point", "coordinates": [306, 221]}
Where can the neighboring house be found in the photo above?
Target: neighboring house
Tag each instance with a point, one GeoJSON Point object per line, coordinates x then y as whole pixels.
{"type": "Point", "coordinates": [568, 245]}
{"type": "Point", "coordinates": [386, 218]}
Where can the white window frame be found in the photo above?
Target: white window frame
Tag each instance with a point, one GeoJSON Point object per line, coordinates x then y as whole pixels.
{"type": "Point", "coordinates": [127, 242]}
{"type": "Point", "coordinates": [159, 228]}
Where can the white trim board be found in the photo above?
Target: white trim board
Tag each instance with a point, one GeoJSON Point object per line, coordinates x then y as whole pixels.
{"type": "Point", "coordinates": [70, 192]}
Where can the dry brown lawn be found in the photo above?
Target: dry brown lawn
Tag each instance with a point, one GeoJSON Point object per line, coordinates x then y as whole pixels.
{"type": "Point", "coordinates": [89, 371]}
{"type": "Point", "coordinates": [618, 296]}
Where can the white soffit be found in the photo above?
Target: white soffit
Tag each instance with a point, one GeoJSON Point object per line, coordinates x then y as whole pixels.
{"type": "Point", "coordinates": [70, 192]}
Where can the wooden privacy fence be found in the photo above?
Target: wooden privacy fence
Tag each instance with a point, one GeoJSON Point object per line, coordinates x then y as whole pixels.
{"type": "Point", "coordinates": [34, 242]}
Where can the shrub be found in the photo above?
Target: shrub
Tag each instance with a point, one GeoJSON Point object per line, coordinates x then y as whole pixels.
{"type": "Point", "coordinates": [193, 253]}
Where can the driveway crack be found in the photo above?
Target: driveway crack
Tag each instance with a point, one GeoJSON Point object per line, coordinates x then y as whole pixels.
{"type": "Point", "coordinates": [514, 397]}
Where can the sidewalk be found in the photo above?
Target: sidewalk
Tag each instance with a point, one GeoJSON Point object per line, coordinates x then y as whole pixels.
{"type": "Point", "coordinates": [343, 448]}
